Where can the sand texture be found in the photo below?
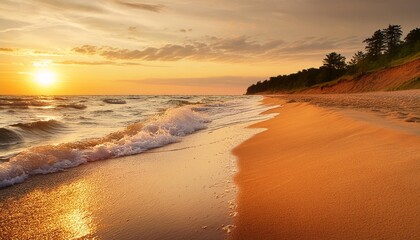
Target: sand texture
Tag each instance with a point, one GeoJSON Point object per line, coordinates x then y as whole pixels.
{"type": "Point", "coordinates": [319, 173]}
{"type": "Point", "coordinates": [399, 108]}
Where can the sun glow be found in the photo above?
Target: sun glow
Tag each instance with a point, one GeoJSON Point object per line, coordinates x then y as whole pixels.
{"type": "Point", "coordinates": [45, 78]}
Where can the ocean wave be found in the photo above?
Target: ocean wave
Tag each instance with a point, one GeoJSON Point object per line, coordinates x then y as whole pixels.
{"type": "Point", "coordinates": [88, 123]}
{"type": "Point", "coordinates": [114, 101]}
{"type": "Point", "coordinates": [72, 105]}
{"type": "Point", "coordinates": [48, 126]}
{"type": "Point", "coordinates": [10, 98]}
{"type": "Point", "coordinates": [178, 102]}
{"type": "Point", "coordinates": [136, 138]}
{"type": "Point", "coordinates": [60, 98]}
{"type": "Point", "coordinates": [9, 137]}
{"type": "Point", "coordinates": [23, 103]}
{"type": "Point", "coordinates": [24, 132]}
{"type": "Point", "coordinates": [103, 111]}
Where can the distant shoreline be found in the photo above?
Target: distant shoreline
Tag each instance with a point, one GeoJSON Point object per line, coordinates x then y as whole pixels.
{"type": "Point", "coordinates": [401, 77]}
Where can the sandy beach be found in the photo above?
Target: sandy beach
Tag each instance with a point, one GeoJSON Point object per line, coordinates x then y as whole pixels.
{"type": "Point", "coordinates": [332, 167]}
{"type": "Point", "coordinates": [209, 120]}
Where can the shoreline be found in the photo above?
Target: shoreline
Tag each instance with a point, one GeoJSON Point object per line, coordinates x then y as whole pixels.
{"type": "Point", "coordinates": [318, 173]}
{"type": "Point", "coordinates": [180, 191]}
{"type": "Point", "coordinates": [310, 172]}
{"type": "Point", "coordinates": [183, 190]}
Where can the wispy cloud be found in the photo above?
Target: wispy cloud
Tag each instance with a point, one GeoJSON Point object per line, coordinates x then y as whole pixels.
{"type": "Point", "coordinates": [29, 52]}
{"type": "Point", "coordinates": [211, 48]}
{"type": "Point", "coordinates": [7, 49]}
{"type": "Point", "coordinates": [183, 30]}
{"type": "Point", "coordinates": [72, 62]}
{"type": "Point", "coordinates": [98, 63]}
{"type": "Point", "coordinates": [142, 6]}
{"type": "Point", "coordinates": [82, 6]}
{"type": "Point", "coordinates": [237, 49]}
{"type": "Point", "coordinates": [322, 43]}
{"type": "Point", "coordinates": [236, 81]}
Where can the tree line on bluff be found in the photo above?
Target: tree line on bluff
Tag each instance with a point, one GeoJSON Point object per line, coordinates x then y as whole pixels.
{"type": "Point", "coordinates": [382, 48]}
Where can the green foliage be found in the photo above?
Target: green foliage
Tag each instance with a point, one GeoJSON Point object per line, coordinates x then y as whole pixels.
{"type": "Point", "coordinates": [375, 45]}
{"type": "Point", "coordinates": [301, 79]}
{"type": "Point", "coordinates": [413, 37]}
{"type": "Point", "coordinates": [384, 49]}
{"type": "Point", "coordinates": [392, 36]}
{"type": "Point", "coordinates": [335, 61]}
{"type": "Point", "coordinates": [357, 58]}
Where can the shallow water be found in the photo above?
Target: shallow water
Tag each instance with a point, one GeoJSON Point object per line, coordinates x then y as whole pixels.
{"type": "Point", "coordinates": [184, 190]}
{"type": "Point", "coordinates": [40, 135]}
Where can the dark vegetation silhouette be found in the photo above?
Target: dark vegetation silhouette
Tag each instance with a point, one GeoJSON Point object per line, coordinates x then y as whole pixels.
{"type": "Point", "coordinates": [383, 49]}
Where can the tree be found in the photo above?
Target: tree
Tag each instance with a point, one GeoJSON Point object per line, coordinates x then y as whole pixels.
{"type": "Point", "coordinates": [375, 45]}
{"type": "Point", "coordinates": [413, 37]}
{"type": "Point", "coordinates": [357, 58]}
{"type": "Point", "coordinates": [335, 61]}
{"type": "Point", "coordinates": [392, 36]}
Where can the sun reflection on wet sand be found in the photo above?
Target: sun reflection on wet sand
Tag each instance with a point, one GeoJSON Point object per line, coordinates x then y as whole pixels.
{"type": "Point", "coordinates": [79, 223]}
{"type": "Point", "coordinates": [181, 191]}
{"type": "Point", "coordinates": [62, 213]}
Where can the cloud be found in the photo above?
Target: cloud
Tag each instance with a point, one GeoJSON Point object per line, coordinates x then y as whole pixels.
{"type": "Point", "coordinates": [73, 62]}
{"type": "Point", "coordinates": [237, 49]}
{"type": "Point", "coordinates": [99, 63]}
{"type": "Point", "coordinates": [142, 6]}
{"type": "Point", "coordinates": [211, 48]}
{"type": "Point", "coordinates": [80, 6]}
{"type": "Point", "coordinates": [86, 49]}
{"type": "Point", "coordinates": [185, 30]}
{"type": "Point", "coordinates": [7, 50]}
{"type": "Point", "coordinates": [234, 81]}
{"type": "Point", "coordinates": [28, 52]}
{"type": "Point", "coordinates": [313, 45]}
{"type": "Point", "coordinates": [243, 44]}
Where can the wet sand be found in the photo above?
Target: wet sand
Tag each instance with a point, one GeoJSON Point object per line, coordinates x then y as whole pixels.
{"type": "Point", "coordinates": [326, 168]}
{"type": "Point", "coordinates": [340, 171]}
{"type": "Point", "coordinates": [181, 191]}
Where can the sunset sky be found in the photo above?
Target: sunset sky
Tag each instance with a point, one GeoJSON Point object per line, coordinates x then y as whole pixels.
{"type": "Point", "coordinates": [178, 47]}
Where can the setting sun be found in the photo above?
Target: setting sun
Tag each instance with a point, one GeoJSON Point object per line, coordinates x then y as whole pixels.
{"type": "Point", "coordinates": [210, 119]}
{"type": "Point", "coordinates": [45, 78]}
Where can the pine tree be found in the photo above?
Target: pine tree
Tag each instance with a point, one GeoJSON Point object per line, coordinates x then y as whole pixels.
{"type": "Point", "coordinates": [357, 58]}
{"type": "Point", "coordinates": [335, 61]}
{"type": "Point", "coordinates": [413, 37]}
{"type": "Point", "coordinates": [392, 36]}
{"type": "Point", "coordinates": [375, 45]}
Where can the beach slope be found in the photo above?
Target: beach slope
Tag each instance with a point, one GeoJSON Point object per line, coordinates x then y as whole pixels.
{"type": "Point", "coordinates": [317, 173]}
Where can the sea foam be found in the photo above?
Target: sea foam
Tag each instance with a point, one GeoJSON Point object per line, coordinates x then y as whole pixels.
{"type": "Point", "coordinates": [158, 131]}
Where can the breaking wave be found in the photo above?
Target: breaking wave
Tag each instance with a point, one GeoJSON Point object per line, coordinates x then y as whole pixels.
{"type": "Point", "coordinates": [136, 138]}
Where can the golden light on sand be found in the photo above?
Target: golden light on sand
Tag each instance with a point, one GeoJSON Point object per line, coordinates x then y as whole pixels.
{"type": "Point", "coordinates": [45, 78]}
